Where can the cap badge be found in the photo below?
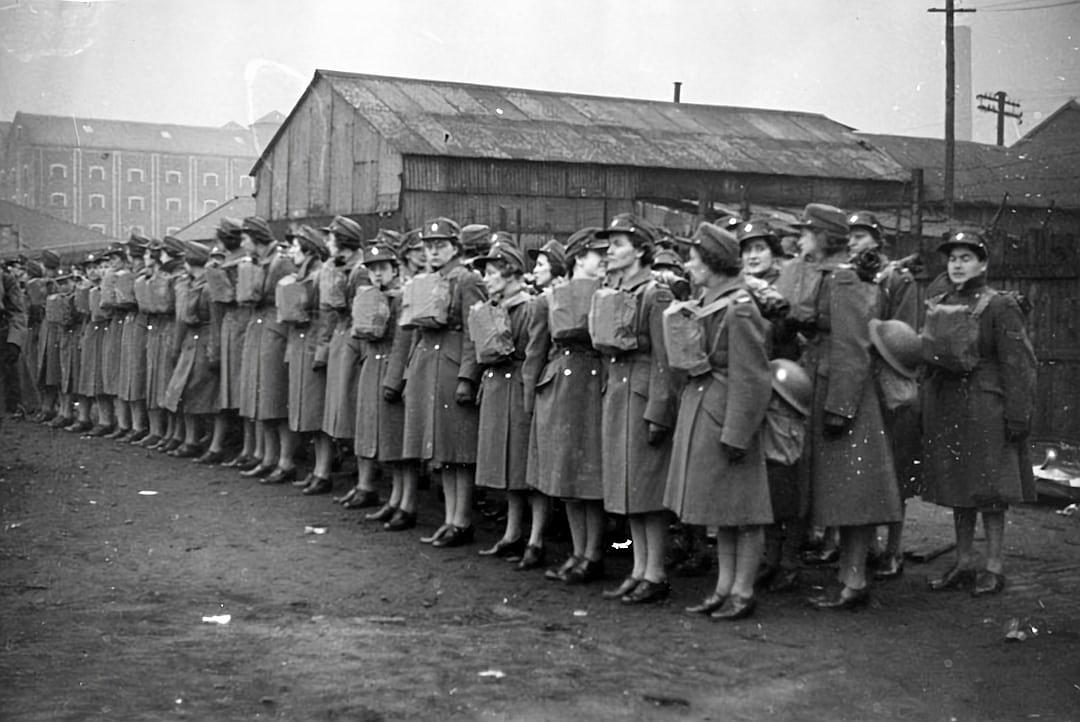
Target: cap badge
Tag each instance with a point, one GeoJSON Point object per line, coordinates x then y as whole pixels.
{"type": "Point", "coordinates": [853, 219]}
{"type": "Point", "coordinates": [748, 227]}
{"type": "Point", "coordinates": [374, 251]}
{"type": "Point", "coordinates": [434, 226]}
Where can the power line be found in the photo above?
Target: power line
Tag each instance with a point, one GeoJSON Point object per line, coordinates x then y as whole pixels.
{"type": "Point", "coordinates": [1033, 7]}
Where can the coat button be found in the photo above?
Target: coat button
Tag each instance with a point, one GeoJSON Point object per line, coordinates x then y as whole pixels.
{"type": "Point", "coordinates": [150, 327]}
{"type": "Point", "coordinates": [196, 337]}
{"type": "Point", "coordinates": [491, 374]}
{"type": "Point", "coordinates": [566, 372]}
{"type": "Point", "coordinates": [624, 379]}
{"type": "Point", "coordinates": [566, 352]}
{"type": "Point", "coordinates": [593, 372]}
{"type": "Point", "coordinates": [508, 375]}
{"type": "Point", "coordinates": [436, 347]}
{"type": "Point", "coordinates": [258, 320]}
{"type": "Point", "coordinates": [301, 335]}
{"type": "Point", "coordinates": [612, 359]}
{"type": "Point", "coordinates": [700, 388]}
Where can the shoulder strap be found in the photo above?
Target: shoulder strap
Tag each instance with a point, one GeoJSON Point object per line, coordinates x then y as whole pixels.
{"type": "Point", "coordinates": [983, 302]}
{"type": "Point", "coordinates": [714, 307]}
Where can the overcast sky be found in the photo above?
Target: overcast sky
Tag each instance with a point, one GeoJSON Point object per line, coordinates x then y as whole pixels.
{"type": "Point", "coordinates": [876, 65]}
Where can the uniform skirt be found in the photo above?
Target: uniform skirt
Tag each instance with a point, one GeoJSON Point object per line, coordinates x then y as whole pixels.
{"type": "Point", "coordinates": [564, 440]}
{"type": "Point", "coordinates": [380, 425]}
{"type": "Point", "coordinates": [342, 382]}
{"type": "Point", "coordinates": [307, 385]}
{"type": "Point", "coordinates": [131, 383]}
{"type": "Point", "coordinates": [48, 365]}
{"type": "Point", "coordinates": [264, 375]}
{"type": "Point", "coordinates": [502, 450]}
{"type": "Point", "coordinates": [69, 359]}
{"type": "Point", "coordinates": [234, 324]}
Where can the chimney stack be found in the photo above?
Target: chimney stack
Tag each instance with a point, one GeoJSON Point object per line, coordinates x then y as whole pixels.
{"type": "Point", "coordinates": [678, 90]}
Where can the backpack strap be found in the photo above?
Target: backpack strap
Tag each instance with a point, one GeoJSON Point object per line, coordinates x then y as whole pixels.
{"type": "Point", "coordinates": [983, 302]}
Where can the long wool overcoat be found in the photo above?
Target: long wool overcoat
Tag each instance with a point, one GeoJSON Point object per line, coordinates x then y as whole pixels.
{"type": "Point", "coordinates": [638, 391]}
{"type": "Point", "coordinates": [342, 355]}
{"type": "Point", "coordinates": [437, 428]}
{"type": "Point", "coordinates": [726, 405]}
{"type": "Point", "coordinates": [502, 451]}
{"type": "Point", "coordinates": [562, 384]}
{"type": "Point", "coordinates": [193, 388]}
{"type": "Point", "coordinates": [234, 322]}
{"type": "Point", "coordinates": [264, 375]}
{"type": "Point", "coordinates": [161, 343]}
{"type": "Point", "coordinates": [380, 424]}
{"type": "Point", "coordinates": [70, 354]}
{"type": "Point", "coordinates": [307, 384]}
{"type": "Point", "coordinates": [969, 461]}
{"type": "Point", "coordinates": [852, 476]}
{"type": "Point", "coordinates": [91, 382]}
{"type": "Point", "coordinates": [131, 379]}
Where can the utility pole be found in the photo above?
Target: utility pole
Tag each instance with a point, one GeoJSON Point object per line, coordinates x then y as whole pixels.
{"type": "Point", "coordinates": [950, 101]}
{"type": "Point", "coordinates": [1000, 98]}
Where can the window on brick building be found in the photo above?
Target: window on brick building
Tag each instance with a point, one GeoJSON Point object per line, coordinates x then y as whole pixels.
{"type": "Point", "coordinates": [210, 180]}
{"type": "Point", "coordinates": [57, 171]}
{"type": "Point", "coordinates": [58, 200]}
{"type": "Point", "coordinates": [97, 172]}
{"type": "Point", "coordinates": [172, 230]}
{"type": "Point", "coordinates": [135, 175]}
{"type": "Point", "coordinates": [99, 227]}
{"type": "Point", "coordinates": [97, 200]}
{"type": "Point", "coordinates": [135, 203]}
{"type": "Point", "coordinates": [172, 204]}
{"type": "Point", "coordinates": [173, 178]}
{"type": "Point", "coordinates": [209, 206]}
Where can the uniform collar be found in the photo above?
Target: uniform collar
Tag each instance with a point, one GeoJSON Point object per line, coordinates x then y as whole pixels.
{"type": "Point", "coordinates": [729, 286]}
{"type": "Point", "coordinates": [450, 265]}
{"type": "Point", "coordinates": [516, 300]}
{"type": "Point", "coordinates": [972, 285]}
{"type": "Point", "coordinates": [631, 283]}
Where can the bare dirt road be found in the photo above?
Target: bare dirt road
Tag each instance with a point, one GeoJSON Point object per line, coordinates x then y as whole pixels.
{"type": "Point", "coordinates": [104, 589]}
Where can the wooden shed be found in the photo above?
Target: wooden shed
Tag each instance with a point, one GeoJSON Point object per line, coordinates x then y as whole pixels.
{"type": "Point", "coordinates": [392, 152]}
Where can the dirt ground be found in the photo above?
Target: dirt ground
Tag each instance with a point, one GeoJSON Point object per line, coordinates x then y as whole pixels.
{"type": "Point", "coordinates": [104, 590]}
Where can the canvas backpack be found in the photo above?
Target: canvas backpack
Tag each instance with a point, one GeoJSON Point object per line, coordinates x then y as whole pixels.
{"type": "Point", "coordinates": [613, 321]}
{"type": "Point", "coordinates": [250, 277]}
{"type": "Point", "coordinates": [425, 301]}
{"type": "Point", "coordinates": [292, 299]}
{"type": "Point", "coordinates": [220, 286]}
{"type": "Point", "coordinates": [568, 309]}
{"type": "Point", "coordinates": [684, 334]}
{"type": "Point", "coordinates": [950, 337]}
{"type": "Point", "coordinates": [370, 314]}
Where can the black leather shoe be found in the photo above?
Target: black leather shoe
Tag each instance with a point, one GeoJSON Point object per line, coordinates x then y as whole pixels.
{"type": "Point", "coordinates": [559, 574]}
{"type": "Point", "coordinates": [305, 482]}
{"type": "Point", "coordinates": [401, 521]}
{"type": "Point", "coordinates": [363, 500]}
{"type": "Point", "coordinates": [708, 605]}
{"type": "Point", "coordinates": [170, 445]}
{"type": "Point", "coordinates": [237, 461]}
{"type": "Point", "coordinates": [889, 567]}
{"type": "Point", "coordinates": [138, 435]}
{"type": "Point", "coordinates": [586, 571]}
{"type": "Point", "coordinates": [125, 438]}
{"type": "Point", "coordinates": [79, 427]}
{"type": "Point", "coordinates": [185, 451]}
{"type": "Point", "coordinates": [955, 578]}
{"type": "Point", "coordinates": [116, 433]}
{"type": "Point", "coordinates": [258, 471]}
{"type": "Point", "coordinates": [436, 535]}
{"type": "Point", "coordinates": [533, 558]}
{"type": "Point", "coordinates": [841, 596]}
{"type": "Point", "coordinates": [249, 464]}
{"type": "Point", "coordinates": [623, 589]}
{"type": "Point", "coordinates": [279, 476]}
{"type": "Point", "coordinates": [987, 582]}
{"type": "Point", "coordinates": [648, 593]}
{"type": "Point", "coordinates": [211, 457]}
{"type": "Point", "coordinates": [98, 431]}
{"type": "Point", "coordinates": [384, 513]}
{"type": "Point", "coordinates": [735, 607]}
{"type": "Point", "coordinates": [457, 536]}
{"type": "Point", "coordinates": [318, 485]}
{"type": "Point", "coordinates": [502, 549]}
{"type": "Point", "coordinates": [59, 422]}
{"type": "Point", "coordinates": [149, 442]}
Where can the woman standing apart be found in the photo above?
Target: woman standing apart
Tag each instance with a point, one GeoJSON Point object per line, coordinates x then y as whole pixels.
{"type": "Point", "coordinates": [441, 417]}
{"type": "Point", "coordinates": [639, 411]}
{"type": "Point", "coordinates": [977, 415]}
{"type": "Point", "coordinates": [717, 474]}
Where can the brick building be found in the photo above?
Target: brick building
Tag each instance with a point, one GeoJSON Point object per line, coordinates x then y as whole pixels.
{"type": "Point", "coordinates": [116, 176]}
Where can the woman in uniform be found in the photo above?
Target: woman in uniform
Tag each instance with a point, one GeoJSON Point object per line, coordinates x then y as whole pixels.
{"type": "Point", "coordinates": [441, 417]}
{"type": "Point", "coordinates": [264, 392]}
{"type": "Point", "coordinates": [307, 379]}
{"type": "Point", "coordinates": [111, 344]}
{"type": "Point", "coordinates": [717, 474]}
{"type": "Point", "coordinates": [562, 378]}
{"type": "Point", "coordinates": [638, 414]}
{"type": "Point", "coordinates": [131, 379]}
{"type": "Point", "coordinates": [90, 380]}
{"type": "Point", "coordinates": [380, 414]}
{"type": "Point", "coordinates": [503, 432]}
{"type": "Point", "coordinates": [192, 388]}
{"type": "Point", "coordinates": [977, 422]}
{"type": "Point", "coordinates": [162, 348]}
{"type": "Point", "coordinates": [852, 478]}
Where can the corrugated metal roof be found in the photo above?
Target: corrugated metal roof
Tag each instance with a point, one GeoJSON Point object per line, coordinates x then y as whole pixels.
{"type": "Point", "coordinates": [40, 230]}
{"type": "Point", "coordinates": [984, 173]}
{"type": "Point", "coordinates": [71, 131]}
{"type": "Point", "coordinates": [421, 117]}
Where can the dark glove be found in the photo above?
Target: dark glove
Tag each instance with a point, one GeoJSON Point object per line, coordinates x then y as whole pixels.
{"type": "Point", "coordinates": [391, 395]}
{"type": "Point", "coordinates": [464, 394]}
{"type": "Point", "coordinates": [1016, 431]}
{"type": "Point", "coordinates": [657, 434]}
{"type": "Point", "coordinates": [835, 425]}
{"type": "Point", "coordinates": [868, 264]}
{"type": "Point", "coordinates": [734, 453]}
{"type": "Point", "coordinates": [318, 363]}
{"type": "Point", "coordinates": [213, 362]}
